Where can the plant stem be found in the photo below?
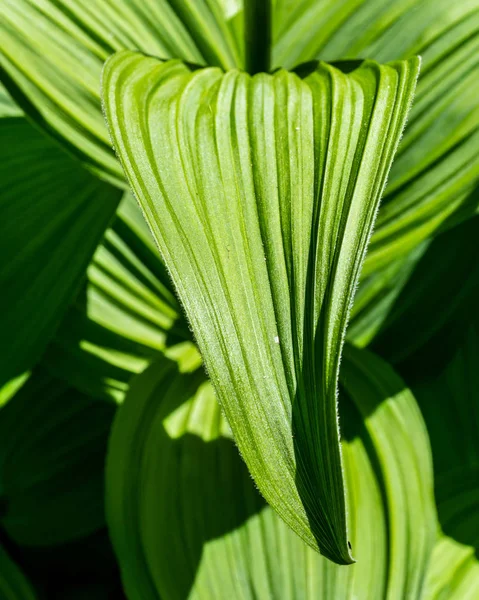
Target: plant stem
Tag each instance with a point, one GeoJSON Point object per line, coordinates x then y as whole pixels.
{"type": "Point", "coordinates": [257, 35]}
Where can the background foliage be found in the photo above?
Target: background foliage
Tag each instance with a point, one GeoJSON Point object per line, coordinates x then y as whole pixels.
{"type": "Point", "coordinates": [119, 473]}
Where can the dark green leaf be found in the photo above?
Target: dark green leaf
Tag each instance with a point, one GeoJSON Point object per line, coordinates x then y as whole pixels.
{"type": "Point", "coordinates": [53, 215]}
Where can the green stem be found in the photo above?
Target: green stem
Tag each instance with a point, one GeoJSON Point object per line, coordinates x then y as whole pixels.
{"type": "Point", "coordinates": [257, 35]}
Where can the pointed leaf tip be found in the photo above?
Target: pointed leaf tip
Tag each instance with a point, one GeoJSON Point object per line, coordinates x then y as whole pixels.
{"type": "Point", "coordinates": [261, 193]}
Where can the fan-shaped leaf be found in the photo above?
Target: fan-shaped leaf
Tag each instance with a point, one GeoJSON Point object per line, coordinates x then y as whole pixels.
{"type": "Point", "coordinates": [265, 260]}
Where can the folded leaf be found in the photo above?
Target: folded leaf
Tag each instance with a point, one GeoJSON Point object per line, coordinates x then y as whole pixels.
{"type": "Point", "coordinates": [52, 53]}
{"type": "Point", "coordinates": [53, 443]}
{"type": "Point", "coordinates": [187, 522]}
{"type": "Point", "coordinates": [13, 583]}
{"type": "Point", "coordinates": [261, 193]}
{"type": "Point", "coordinates": [53, 214]}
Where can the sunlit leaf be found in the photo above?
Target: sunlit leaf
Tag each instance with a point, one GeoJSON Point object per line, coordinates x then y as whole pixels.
{"type": "Point", "coordinates": [126, 317]}
{"type": "Point", "coordinates": [52, 53]}
{"type": "Point", "coordinates": [53, 442]}
{"type": "Point", "coordinates": [265, 260]}
{"type": "Point", "coordinates": [437, 165]}
{"type": "Point", "coordinates": [53, 214]}
{"type": "Point", "coordinates": [453, 572]}
{"type": "Point", "coordinates": [187, 522]}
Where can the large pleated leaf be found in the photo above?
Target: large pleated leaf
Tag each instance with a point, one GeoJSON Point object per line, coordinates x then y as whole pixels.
{"type": "Point", "coordinates": [52, 54]}
{"type": "Point", "coordinates": [266, 259]}
{"type": "Point", "coordinates": [53, 215]}
{"type": "Point", "coordinates": [187, 522]}
{"type": "Point", "coordinates": [437, 167]}
{"type": "Point", "coordinates": [13, 583]}
{"type": "Point", "coordinates": [52, 448]}
{"type": "Point", "coordinates": [126, 316]}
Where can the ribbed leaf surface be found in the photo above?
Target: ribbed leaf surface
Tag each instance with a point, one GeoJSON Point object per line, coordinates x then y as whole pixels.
{"type": "Point", "coordinates": [53, 215]}
{"type": "Point", "coordinates": [437, 167]}
{"type": "Point", "coordinates": [126, 316]}
{"type": "Point", "coordinates": [266, 259]}
{"type": "Point", "coordinates": [187, 522]}
{"type": "Point", "coordinates": [53, 53]}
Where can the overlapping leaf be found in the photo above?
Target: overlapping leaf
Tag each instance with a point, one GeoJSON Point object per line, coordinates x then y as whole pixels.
{"type": "Point", "coordinates": [53, 214]}
{"type": "Point", "coordinates": [437, 171]}
{"type": "Point", "coordinates": [125, 318]}
{"type": "Point", "coordinates": [187, 522]}
{"type": "Point", "coordinates": [265, 260]}
{"type": "Point", "coordinates": [13, 583]}
{"type": "Point", "coordinates": [53, 53]}
{"type": "Point", "coordinates": [437, 167]}
{"type": "Point", "coordinates": [53, 442]}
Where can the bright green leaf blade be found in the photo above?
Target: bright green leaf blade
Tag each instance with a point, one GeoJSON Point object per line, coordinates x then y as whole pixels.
{"type": "Point", "coordinates": [187, 522]}
{"type": "Point", "coordinates": [53, 215]}
{"type": "Point", "coordinates": [265, 259]}
{"type": "Point", "coordinates": [125, 319]}
{"type": "Point", "coordinates": [13, 583]}
{"type": "Point", "coordinates": [453, 572]}
{"type": "Point", "coordinates": [52, 54]}
{"type": "Point", "coordinates": [53, 444]}
{"type": "Point", "coordinates": [437, 166]}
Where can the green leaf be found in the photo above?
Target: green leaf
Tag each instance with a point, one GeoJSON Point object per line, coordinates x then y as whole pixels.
{"type": "Point", "coordinates": [187, 522]}
{"type": "Point", "coordinates": [453, 572]}
{"type": "Point", "coordinates": [265, 260]}
{"type": "Point", "coordinates": [53, 214]}
{"type": "Point", "coordinates": [53, 443]}
{"type": "Point", "coordinates": [437, 166]}
{"type": "Point", "coordinates": [52, 54]}
{"type": "Point", "coordinates": [13, 583]}
{"type": "Point", "coordinates": [125, 318]}
{"type": "Point", "coordinates": [448, 399]}
{"type": "Point", "coordinates": [377, 294]}
{"type": "Point", "coordinates": [440, 311]}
